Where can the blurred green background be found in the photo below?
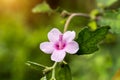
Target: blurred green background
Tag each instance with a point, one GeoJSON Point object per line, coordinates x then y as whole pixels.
{"type": "Point", "coordinates": [21, 32]}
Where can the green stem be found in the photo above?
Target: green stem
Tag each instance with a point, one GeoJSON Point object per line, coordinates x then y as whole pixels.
{"type": "Point", "coordinates": [53, 75]}
{"type": "Point", "coordinates": [64, 62]}
{"type": "Point", "coordinates": [54, 65]}
{"type": "Point", "coordinates": [53, 71]}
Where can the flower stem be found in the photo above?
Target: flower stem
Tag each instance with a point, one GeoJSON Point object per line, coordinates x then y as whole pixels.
{"type": "Point", "coordinates": [54, 65]}
{"type": "Point", "coordinates": [71, 16]}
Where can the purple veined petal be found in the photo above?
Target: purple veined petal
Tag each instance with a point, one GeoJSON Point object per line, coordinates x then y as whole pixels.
{"type": "Point", "coordinates": [58, 55]}
{"type": "Point", "coordinates": [53, 35]}
{"type": "Point", "coordinates": [72, 47]}
{"type": "Point", "coordinates": [47, 47]}
{"type": "Point", "coordinates": [69, 36]}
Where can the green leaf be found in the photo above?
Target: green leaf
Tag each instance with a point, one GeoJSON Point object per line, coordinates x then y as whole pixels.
{"type": "Point", "coordinates": [43, 7]}
{"type": "Point", "coordinates": [111, 18]}
{"type": "Point", "coordinates": [88, 40]}
{"type": "Point", "coordinates": [35, 65]}
{"type": "Point", "coordinates": [105, 3]}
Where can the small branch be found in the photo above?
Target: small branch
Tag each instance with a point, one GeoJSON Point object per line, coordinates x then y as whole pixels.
{"type": "Point", "coordinates": [47, 69]}
{"type": "Point", "coordinates": [64, 62]}
{"type": "Point", "coordinates": [29, 63]}
{"type": "Point", "coordinates": [73, 15]}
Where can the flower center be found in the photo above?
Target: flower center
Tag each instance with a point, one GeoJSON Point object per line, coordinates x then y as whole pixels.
{"type": "Point", "coordinates": [60, 44]}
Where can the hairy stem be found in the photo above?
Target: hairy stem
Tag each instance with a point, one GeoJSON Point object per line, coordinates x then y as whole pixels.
{"type": "Point", "coordinates": [71, 16]}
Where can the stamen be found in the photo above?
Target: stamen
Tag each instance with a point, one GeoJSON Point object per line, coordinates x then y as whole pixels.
{"type": "Point", "coordinates": [60, 44]}
{"type": "Point", "coordinates": [60, 37]}
{"type": "Point", "coordinates": [60, 41]}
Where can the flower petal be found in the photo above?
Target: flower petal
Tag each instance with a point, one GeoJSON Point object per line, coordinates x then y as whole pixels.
{"type": "Point", "coordinates": [58, 55]}
{"type": "Point", "coordinates": [69, 36]}
{"type": "Point", "coordinates": [72, 47]}
{"type": "Point", "coordinates": [47, 47]}
{"type": "Point", "coordinates": [53, 35]}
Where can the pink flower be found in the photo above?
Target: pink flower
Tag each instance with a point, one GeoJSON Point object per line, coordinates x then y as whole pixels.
{"type": "Point", "coordinates": [59, 44]}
